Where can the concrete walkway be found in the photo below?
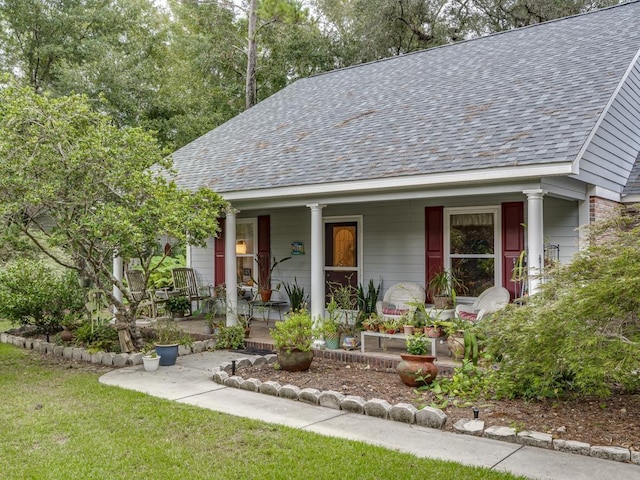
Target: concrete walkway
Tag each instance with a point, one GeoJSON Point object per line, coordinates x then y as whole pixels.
{"type": "Point", "coordinates": [190, 381]}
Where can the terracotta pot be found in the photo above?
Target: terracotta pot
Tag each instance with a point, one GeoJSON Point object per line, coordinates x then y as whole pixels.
{"type": "Point", "coordinates": [417, 370]}
{"type": "Point", "coordinates": [381, 329]}
{"type": "Point", "coordinates": [408, 329]}
{"type": "Point", "coordinates": [295, 361]}
{"type": "Point", "coordinates": [66, 335]}
{"type": "Point", "coordinates": [265, 295]}
{"type": "Point", "coordinates": [433, 332]}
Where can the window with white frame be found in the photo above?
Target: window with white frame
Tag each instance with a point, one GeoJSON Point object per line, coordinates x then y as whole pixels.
{"type": "Point", "coordinates": [471, 248]}
{"type": "Point", "coordinates": [246, 250]}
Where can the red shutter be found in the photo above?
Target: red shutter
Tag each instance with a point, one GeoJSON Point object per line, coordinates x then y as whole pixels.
{"type": "Point", "coordinates": [512, 241]}
{"type": "Point", "coordinates": [434, 240]}
{"type": "Point", "coordinates": [218, 261]}
{"type": "Point", "coordinates": [264, 246]}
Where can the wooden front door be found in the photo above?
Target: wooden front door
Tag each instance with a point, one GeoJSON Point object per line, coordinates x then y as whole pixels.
{"type": "Point", "coordinates": [341, 254]}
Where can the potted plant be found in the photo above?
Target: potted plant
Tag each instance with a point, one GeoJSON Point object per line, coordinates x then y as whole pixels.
{"type": "Point", "coordinates": [177, 306]}
{"type": "Point", "coordinates": [150, 360]}
{"type": "Point", "coordinates": [168, 336]}
{"type": "Point", "coordinates": [416, 367]}
{"type": "Point", "coordinates": [296, 295]}
{"type": "Point", "coordinates": [345, 297]}
{"type": "Point", "coordinates": [265, 277]}
{"type": "Point", "coordinates": [390, 326]}
{"type": "Point", "coordinates": [330, 330]}
{"type": "Point", "coordinates": [407, 322]}
{"type": "Point", "coordinates": [292, 339]}
{"type": "Point", "coordinates": [442, 289]}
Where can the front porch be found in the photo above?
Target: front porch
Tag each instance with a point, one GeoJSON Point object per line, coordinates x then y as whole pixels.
{"type": "Point", "coordinates": [386, 354]}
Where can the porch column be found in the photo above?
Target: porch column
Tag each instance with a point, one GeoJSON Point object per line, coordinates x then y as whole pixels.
{"type": "Point", "coordinates": [230, 274]}
{"type": "Point", "coordinates": [317, 269]}
{"type": "Point", "coordinates": [535, 238]}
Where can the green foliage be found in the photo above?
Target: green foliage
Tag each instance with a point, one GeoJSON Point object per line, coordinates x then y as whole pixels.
{"type": "Point", "coordinates": [417, 344]}
{"type": "Point", "coordinates": [230, 337]}
{"type": "Point", "coordinates": [160, 276]}
{"type": "Point", "coordinates": [167, 332]}
{"type": "Point", "coordinates": [581, 333]}
{"type": "Point", "coordinates": [367, 300]}
{"type": "Point", "coordinates": [178, 304]}
{"type": "Point", "coordinates": [92, 189]}
{"type": "Point", "coordinates": [297, 297]}
{"type": "Point", "coordinates": [295, 332]}
{"type": "Point", "coordinates": [97, 336]}
{"type": "Point", "coordinates": [467, 383]}
{"type": "Point", "coordinates": [32, 293]}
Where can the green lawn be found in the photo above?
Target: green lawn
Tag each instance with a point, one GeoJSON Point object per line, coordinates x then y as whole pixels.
{"type": "Point", "coordinates": [58, 422]}
{"type": "Point", "coordinates": [5, 325]}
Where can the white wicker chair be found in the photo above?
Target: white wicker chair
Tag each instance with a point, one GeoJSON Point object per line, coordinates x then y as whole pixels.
{"type": "Point", "coordinates": [397, 299]}
{"type": "Point", "coordinates": [489, 301]}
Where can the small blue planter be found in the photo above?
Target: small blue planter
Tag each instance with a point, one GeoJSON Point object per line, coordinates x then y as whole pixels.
{"type": "Point", "coordinates": [168, 354]}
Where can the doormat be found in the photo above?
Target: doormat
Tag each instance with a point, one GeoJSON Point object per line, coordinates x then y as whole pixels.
{"type": "Point", "coordinates": [253, 351]}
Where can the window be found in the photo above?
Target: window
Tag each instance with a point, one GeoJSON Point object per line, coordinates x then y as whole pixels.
{"type": "Point", "coordinates": [470, 247]}
{"type": "Point", "coordinates": [246, 244]}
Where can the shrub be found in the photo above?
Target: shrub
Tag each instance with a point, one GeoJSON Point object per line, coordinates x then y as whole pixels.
{"type": "Point", "coordinates": [32, 293]}
{"type": "Point", "coordinates": [294, 333]}
{"type": "Point", "coordinates": [97, 336]}
{"type": "Point", "coordinates": [230, 337]}
{"type": "Point", "coordinates": [581, 333]}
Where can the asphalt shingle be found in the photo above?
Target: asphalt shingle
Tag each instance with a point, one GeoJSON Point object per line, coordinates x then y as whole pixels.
{"type": "Point", "coordinates": [524, 97]}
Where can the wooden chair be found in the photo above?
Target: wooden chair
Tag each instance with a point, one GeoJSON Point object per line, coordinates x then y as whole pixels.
{"type": "Point", "coordinates": [186, 282]}
{"type": "Point", "coordinates": [140, 292]}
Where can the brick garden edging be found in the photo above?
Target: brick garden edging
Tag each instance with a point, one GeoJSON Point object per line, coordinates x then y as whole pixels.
{"type": "Point", "coordinates": [407, 413]}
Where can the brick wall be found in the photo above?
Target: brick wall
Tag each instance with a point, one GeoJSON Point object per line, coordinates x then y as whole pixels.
{"type": "Point", "coordinates": [602, 209]}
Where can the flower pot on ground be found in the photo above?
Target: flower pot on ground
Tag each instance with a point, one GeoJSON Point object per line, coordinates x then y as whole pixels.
{"type": "Point", "coordinates": [168, 336]}
{"type": "Point", "coordinates": [330, 329]}
{"type": "Point", "coordinates": [416, 367]}
{"type": "Point", "coordinates": [177, 306]}
{"type": "Point", "coordinates": [293, 338]}
{"type": "Point", "coordinates": [151, 362]}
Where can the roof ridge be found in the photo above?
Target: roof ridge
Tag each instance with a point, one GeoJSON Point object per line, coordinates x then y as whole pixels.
{"type": "Point", "coordinates": [482, 37]}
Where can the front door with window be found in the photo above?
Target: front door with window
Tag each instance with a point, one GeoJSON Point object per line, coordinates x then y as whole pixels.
{"type": "Point", "coordinates": [341, 254]}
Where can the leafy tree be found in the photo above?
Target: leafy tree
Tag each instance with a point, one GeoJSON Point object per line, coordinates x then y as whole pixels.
{"type": "Point", "coordinates": [32, 293]}
{"type": "Point", "coordinates": [93, 190]}
{"type": "Point", "coordinates": [581, 333]}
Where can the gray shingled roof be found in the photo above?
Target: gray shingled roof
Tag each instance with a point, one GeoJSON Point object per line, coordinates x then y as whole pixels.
{"type": "Point", "coordinates": [523, 97]}
{"type": "Point", "coordinates": [633, 183]}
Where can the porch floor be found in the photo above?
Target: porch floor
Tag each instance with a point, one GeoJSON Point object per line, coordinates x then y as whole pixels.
{"type": "Point", "coordinates": [386, 352]}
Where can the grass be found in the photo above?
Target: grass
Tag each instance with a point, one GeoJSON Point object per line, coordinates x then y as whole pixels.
{"type": "Point", "coordinates": [5, 325]}
{"type": "Point", "coordinates": [59, 423]}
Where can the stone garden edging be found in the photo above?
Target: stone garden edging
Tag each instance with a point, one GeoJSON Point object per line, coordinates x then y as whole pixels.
{"type": "Point", "coordinates": [407, 413]}
{"type": "Point", "coordinates": [101, 358]}
{"type": "Point", "coordinates": [401, 412]}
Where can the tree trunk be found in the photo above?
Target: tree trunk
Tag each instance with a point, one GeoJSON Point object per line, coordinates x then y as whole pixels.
{"type": "Point", "coordinates": [251, 89]}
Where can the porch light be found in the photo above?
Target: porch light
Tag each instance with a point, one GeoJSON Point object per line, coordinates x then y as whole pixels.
{"type": "Point", "coordinates": [241, 247]}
